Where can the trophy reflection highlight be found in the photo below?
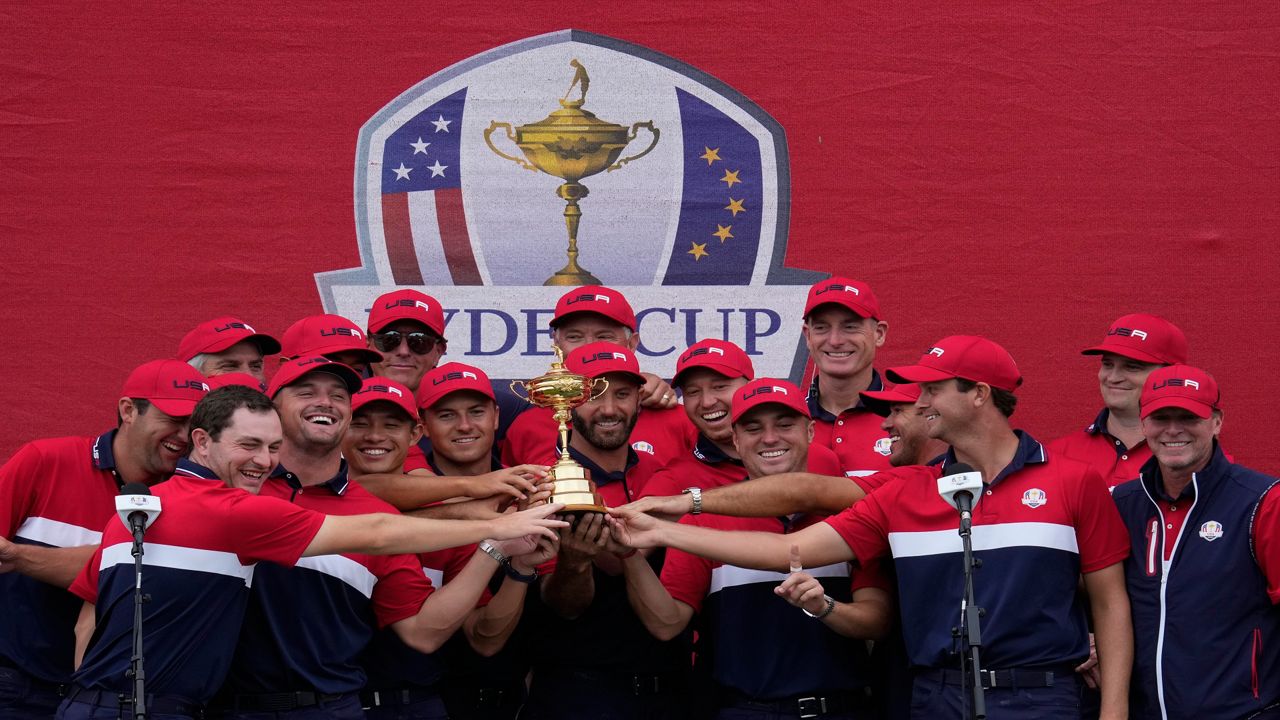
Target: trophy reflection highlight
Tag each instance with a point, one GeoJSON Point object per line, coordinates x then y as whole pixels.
{"type": "Point", "coordinates": [572, 143]}
{"type": "Point", "coordinates": [562, 390]}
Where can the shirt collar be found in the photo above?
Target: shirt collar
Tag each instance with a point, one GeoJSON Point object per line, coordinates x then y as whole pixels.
{"type": "Point", "coordinates": [1206, 478]}
{"type": "Point", "coordinates": [708, 452]}
{"type": "Point", "coordinates": [190, 468]}
{"type": "Point", "coordinates": [598, 474]}
{"type": "Point", "coordinates": [336, 484]}
{"type": "Point", "coordinates": [1099, 425]}
{"type": "Point", "coordinates": [495, 463]}
{"type": "Point", "coordinates": [817, 412]}
{"type": "Point", "coordinates": [103, 456]}
{"type": "Point", "coordinates": [1029, 452]}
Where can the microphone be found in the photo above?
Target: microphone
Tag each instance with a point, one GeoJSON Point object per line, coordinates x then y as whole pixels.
{"type": "Point", "coordinates": [137, 507]}
{"type": "Point", "coordinates": [961, 487]}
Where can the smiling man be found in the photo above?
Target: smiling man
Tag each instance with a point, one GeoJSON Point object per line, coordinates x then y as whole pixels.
{"type": "Point", "coordinates": [1204, 568]}
{"type": "Point", "coordinates": [407, 328]}
{"type": "Point", "coordinates": [227, 345]}
{"type": "Point", "coordinates": [1039, 524]}
{"type": "Point", "coordinates": [1134, 347]}
{"type": "Point", "coordinates": [59, 493]}
{"type": "Point", "coordinates": [842, 331]}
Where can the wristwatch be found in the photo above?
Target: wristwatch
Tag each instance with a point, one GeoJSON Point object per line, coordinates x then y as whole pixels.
{"type": "Point", "coordinates": [696, 494]}
{"type": "Point", "coordinates": [487, 548]}
{"type": "Point", "coordinates": [831, 605]}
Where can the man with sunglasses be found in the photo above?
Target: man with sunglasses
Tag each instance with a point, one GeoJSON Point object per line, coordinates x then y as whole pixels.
{"type": "Point", "coordinates": [407, 327]}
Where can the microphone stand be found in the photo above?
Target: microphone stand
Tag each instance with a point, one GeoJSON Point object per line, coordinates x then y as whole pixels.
{"type": "Point", "coordinates": [970, 632]}
{"type": "Point", "coordinates": [136, 671]}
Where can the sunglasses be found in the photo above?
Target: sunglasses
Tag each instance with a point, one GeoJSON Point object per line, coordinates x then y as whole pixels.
{"type": "Point", "coordinates": [420, 343]}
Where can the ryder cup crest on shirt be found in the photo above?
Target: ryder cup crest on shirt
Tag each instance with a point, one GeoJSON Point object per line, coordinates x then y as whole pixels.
{"type": "Point", "coordinates": [884, 446]}
{"type": "Point", "coordinates": [467, 183]}
{"type": "Point", "coordinates": [1211, 530]}
{"type": "Point", "coordinates": [1034, 498]}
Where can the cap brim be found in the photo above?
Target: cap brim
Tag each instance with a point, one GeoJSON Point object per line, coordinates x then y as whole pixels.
{"type": "Point", "coordinates": [638, 378]}
{"type": "Point", "coordinates": [364, 354]}
{"type": "Point", "coordinates": [918, 374]}
{"type": "Point", "coordinates": [859, 310]}
{"type": "Point", "coordinates": [1195, 407]}
{"type": "Point", "coordinates": [173, 407]}
{"type": "Point", "coordinates": [880, 402]}
{"type": "Point", "coordinates": [1127, 352]}
{"type": "Point", "coordinates": [725, 370]}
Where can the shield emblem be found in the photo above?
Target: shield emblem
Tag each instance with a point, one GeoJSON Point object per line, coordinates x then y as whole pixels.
{"type": "Point", "coordinates": [684, 203]}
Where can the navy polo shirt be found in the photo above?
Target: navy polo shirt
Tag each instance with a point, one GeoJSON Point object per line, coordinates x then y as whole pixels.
{"type": "Point", "coordinates": [198, 562]}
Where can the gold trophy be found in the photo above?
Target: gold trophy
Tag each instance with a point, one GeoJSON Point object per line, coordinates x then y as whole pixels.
{"type": "Point", "coordinates": [571, 144]}
{"type": "Point", "coordinates": [563, 390]}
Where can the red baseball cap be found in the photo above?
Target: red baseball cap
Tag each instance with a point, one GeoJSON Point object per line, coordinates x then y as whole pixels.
{"type": "Point", "coordinates": [324, 334]}
{"type": "Point", "coordinates": [721, 356]}
{"type": "Point", "coordinates": [236, 378]}
{"type": "Point", "coordinates": [595, 299]}
{"type": "Point", "coordinates": [295, 369]}
{"type": "Point", "coordinates": [450, 378]}
{"type": "Point", "coordinates": [379, 389]}
{"type": "Point", "coordinates": [406, 305]}
{"type": "Point", "coordinates": [601, 358]}
{"type": "Point", "coordinates": [171, 385]}
{"type": "Point", "coordinates": [852, 294]}
{"type": "Point", "coordinates": [879, 401]}
{"type": "Point", "coordinates": [1180, 386]}
{"type": "Point", "coordinates": [970, 357]}
{"type": "Point", "coordinates": [218, 334]}
{"type": "Point", "coordinates": [763, 391]}
{"type": "Point", "coordinates": [1145, 338]}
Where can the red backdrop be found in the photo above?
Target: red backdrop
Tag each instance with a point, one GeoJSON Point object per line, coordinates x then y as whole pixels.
{"type": "Point", "coordinates": [1028, 172]}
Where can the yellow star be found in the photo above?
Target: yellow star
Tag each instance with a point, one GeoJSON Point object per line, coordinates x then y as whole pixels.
{"type": "Point", "coordinates": [711, 155]}
{"type": "Point", "coordinates": [730, 177]}
{"type": "Point", "coordinates": [699, 251]}
{"type": "Point", "coordinates": [735, 206]}
{"type": "Point", "coordinates": [722, 232]}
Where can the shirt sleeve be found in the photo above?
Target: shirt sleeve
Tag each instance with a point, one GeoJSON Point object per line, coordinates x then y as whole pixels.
{"type": "Point", "coordinates": [875, 481]}
{"type": "Point", "coordinates": [415, 460]}
{"type": "Point", "coordinates": [530, 439]}
{"type": "Point", "coordinates": [17, 488]}
{"type": "Point", "coordinates": [401, 588]}
{"type": "Point", "coordinates": [85, 586]}
{"type": "Point", "coordinates": [823, 461]}
{"type": "Point", "coordinates": [686, 577]}
{"type": "Point", "coordinates": [871, 575]}
{"type": "Point", "coordinates": [865, 527]}
{"type": "Point", "coordinates": [662, 482]}
{"type": "Point", "coordinates": [1101, 535]}
{"type": "Point", "coordinates": [266, 528]}
{"type": "Point", "coordinates": [1266, 541]}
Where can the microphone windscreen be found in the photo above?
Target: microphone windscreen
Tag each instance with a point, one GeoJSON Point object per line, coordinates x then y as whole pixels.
{"type": "Point", "coordinates": [135, 489]}
{"type": "Point", "coordinates": [957, 468]}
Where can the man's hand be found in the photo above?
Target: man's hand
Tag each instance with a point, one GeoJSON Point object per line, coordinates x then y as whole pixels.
{"type": "Point", "coordinates": [665, 507]}
{"type": "Point", "coordinates": [800, 588]}
{"type": "Point", "coordinates": [518, 482]}
{"type": "Point", "coordinates": [534, 521]}
{"type": "Point", "coordinates": [1088, 670]}
{"type": "Point", "coordinates": [635, 529]}
{"type": "Point", "coordinates": [656, 393]}
{"type": "Point", "coordinates": [541, 495]}
{"type": "Point", "coordinates": [583, 540]}
{"type": "Point", "coordinates": [542, 551]}
{"type": "Point", "coordinates": [9, 556]}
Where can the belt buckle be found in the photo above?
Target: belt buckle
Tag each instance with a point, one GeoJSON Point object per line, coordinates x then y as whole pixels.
{"type": "Point", "coordinates": [811, 707]}
{"type": "Point", "coordinates": [989, 679]}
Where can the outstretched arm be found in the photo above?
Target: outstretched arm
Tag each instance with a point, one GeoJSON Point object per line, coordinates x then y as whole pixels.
{"type": "Point", "coordinates": [55, 566]}
{"type": "Point", "coordinates": [386, 534]}
{"type": "Point", "coordinates": [409, 492]}
{"type": "Point", "coordinates": [820, 544]}
{"type": "Point", "coordinates": [770, 496]}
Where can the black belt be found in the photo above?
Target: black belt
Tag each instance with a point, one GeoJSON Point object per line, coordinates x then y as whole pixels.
{"type": "Point", "coordinates": [1009, 678]}
{"type": "Point", "coordinates": [281, 702]}
{"type": "Point", "coordinates": [407, 696]}
{"type": "Point", "coordinates": [802, 706]}
{"type": "Point", "coordinates": [636, 684]}
{"type": "Point", "coordinates": [159, 704]}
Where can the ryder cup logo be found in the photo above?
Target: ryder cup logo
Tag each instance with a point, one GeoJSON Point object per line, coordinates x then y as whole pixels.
{"type": "Point", "coordinates": [1034, 498]}
{"type": "Point", "coordinates": [1211, 530]}
{"type": "Point", "coordinates": [884, 446]}
{"type": "Point", "coordinates": [573, 159]}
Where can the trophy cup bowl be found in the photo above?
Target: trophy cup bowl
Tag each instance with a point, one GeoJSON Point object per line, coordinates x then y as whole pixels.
{"type": "Point", "coordinates": [562, 390]}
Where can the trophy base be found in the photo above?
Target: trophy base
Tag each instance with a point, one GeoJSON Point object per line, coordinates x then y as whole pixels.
{"type": "Point", "coordinates": [585, 509]}
{"type": "Point", "coordinates": [572, 278]}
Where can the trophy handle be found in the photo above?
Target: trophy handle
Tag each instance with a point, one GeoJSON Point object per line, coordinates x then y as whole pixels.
{"type": "Point", "coordinates": [648, 124]}
{"type": "Point", "coordinates": [599, 386]}
{"type": "Point", "coordinates": [487, 141]}
{"type": "Point", "coordinates": [522, 395]}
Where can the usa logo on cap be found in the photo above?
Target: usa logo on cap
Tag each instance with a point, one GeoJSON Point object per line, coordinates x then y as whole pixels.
{"type": "Point", "coordinates": [678, 187]}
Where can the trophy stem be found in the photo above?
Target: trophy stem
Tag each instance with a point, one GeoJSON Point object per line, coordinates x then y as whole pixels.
{"type": "Point", "coordinates": [572, 273]}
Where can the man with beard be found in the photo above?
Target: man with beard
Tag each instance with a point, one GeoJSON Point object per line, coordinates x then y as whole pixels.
{"type": "Point", "coordinates": [226, 345]}
{"type": "Point", "coordinates": [788, 665]}
{"type": "Point", "coordinates": [59, 493]}
{"type": "Point", "coordinates": [591, 655]}
{"type": "Point", "coordinates": [200, 555]}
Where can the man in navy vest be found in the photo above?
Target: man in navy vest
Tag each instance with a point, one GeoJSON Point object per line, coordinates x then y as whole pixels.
{"type": "Point", "coordinates": [1204, 571]}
